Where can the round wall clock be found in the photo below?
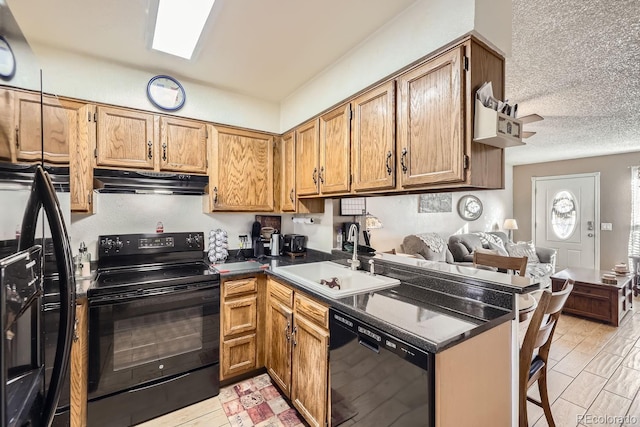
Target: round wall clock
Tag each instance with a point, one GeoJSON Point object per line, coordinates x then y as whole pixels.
{"type": "Point", "coordinates": [166, 93]}
{"type": "Point", "coordinates": [469, 207]}
{"type": "Point", "coordinates": [7, 60]}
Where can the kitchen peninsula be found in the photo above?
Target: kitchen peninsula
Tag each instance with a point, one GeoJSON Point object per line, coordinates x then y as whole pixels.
{"type": "Point", "coordinates": [451, 314]}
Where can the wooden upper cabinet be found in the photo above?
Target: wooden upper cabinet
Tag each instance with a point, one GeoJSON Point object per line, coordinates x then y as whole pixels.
{"type": "Point", "coordinates": [241, 170]}
{"type": "Point", "coordinates": [335, 151]}
{"type": "Point", "coordinates": [431, 121]}
{"type": "Point", "coordinates": [81, 162]}
{"type": "Point", "coordinates": [126, 138]}
{"type": "Point", "coordinates": [183, 145]}
{"type": "Point", "coordinates": [373, 139]}
{"type": "Point", "coordinates": [7, 129]}
{"type": "Point", "coordinates": [288, 173]}
{"type": "Point", "coordinates": [307, 158]}
{"type": "Point", "coordinates": [61, 119]}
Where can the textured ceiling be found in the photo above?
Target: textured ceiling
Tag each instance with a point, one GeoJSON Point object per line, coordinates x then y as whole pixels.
{"type": "Point", "coordinates": [577, 64]}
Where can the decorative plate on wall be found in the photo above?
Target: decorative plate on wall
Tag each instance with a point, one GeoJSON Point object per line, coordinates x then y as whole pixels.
{"type": "Point", "coordinates": [7, 60]}
{"type": "Point", "coordinates": [469, 207]}
{"type": "Point", "coordinates": [166, 93]}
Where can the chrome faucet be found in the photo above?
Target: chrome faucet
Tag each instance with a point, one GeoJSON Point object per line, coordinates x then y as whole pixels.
{"type": "Point", "coordinates": [353, 237]}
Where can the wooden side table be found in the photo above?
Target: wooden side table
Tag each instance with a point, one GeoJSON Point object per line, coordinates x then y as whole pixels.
{"type": "Point", "coordinates": [593, 299]}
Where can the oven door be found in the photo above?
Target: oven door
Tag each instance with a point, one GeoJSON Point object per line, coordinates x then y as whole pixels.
{"type": "Point", "coordinates": [135, 338]}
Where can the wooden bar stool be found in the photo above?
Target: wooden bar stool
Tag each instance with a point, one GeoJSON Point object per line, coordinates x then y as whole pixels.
{"type": "Point", "coordinates": [539, 336]}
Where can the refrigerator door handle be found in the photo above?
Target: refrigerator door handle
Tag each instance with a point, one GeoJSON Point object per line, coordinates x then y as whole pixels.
{"type": "Point", "coordinates": [43, 195]}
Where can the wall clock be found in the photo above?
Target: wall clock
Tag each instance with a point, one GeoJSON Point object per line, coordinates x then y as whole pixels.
{"type": "Point", "coordinates": [166, 93]}
{"type": "Point", "coordinates": [7, 60]}
{"type": "Point", "coordinates": [469, 208]}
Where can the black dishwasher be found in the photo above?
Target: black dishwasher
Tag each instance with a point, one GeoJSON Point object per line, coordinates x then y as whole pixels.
{"type": "Point", "coordinates": [377, 379]}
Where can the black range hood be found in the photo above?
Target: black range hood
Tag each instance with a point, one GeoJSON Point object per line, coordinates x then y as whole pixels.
{"type": "Point", "coordinates": [143, 182]}
{"type": "Point", "coordinates": [19, 176]}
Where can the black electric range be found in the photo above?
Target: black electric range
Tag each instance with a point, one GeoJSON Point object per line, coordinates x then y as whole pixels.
{"type": "Point", "coordinates": [154, 327]}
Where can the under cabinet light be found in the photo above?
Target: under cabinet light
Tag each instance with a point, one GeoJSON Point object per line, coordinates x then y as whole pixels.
{"type": "Point", "coordinates": [179, 25]}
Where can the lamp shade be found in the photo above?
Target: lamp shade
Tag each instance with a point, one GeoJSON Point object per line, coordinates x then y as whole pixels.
{"type": "Point", "coordinates": [510, 224]}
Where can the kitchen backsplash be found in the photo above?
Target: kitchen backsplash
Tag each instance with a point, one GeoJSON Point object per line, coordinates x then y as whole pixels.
{"type": "Point", "coordinates": [139, 213]}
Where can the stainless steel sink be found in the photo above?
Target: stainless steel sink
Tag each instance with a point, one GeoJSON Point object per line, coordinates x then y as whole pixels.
{"type": "Point", "coordinates": [349, 282]}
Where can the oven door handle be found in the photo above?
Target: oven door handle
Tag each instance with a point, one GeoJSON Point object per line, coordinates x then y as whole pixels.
{"type": "Point", "coordinates": [158, 383]}
{"type": "Point", "coordinates": [154, 293]}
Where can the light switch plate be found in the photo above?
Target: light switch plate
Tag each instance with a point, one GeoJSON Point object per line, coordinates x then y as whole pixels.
{"type": "Point", "coordinates": [606, 226]}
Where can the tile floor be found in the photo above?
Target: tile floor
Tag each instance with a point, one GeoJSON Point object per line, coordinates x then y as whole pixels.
{"type": "Point", "coordinates": [595, 372]}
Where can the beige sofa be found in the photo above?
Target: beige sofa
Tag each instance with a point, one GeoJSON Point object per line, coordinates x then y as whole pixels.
{"type": "Point", "coordinates": [460, 247]}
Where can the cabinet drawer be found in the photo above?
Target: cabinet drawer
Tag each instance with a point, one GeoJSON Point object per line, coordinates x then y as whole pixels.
{"type": "Point", "coordinates": [240, 315]}
{"type": "Point", "coordinates": [312, 310]}
{"type": "Point", "coordinates": [238, 356]}
{"type": "Point", "coordinates": [240, 286]}
{"type": "Point", "coordinates": [281, 292]}
{"type": "Point", "coordinates": [591, 291]}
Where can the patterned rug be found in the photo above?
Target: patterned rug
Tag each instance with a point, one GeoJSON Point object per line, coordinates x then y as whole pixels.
{"type": "Point", "coordinates": [257, 402]}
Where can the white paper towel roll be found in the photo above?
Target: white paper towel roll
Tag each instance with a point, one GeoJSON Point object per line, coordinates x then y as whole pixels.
{"type": "Point", "coordinates": [303, 220]}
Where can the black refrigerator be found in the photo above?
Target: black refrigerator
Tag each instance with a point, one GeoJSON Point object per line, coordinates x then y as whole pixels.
{"type": "Point", "coordinates": [35, 254]}
{"type": "Point", "coordinates": [29, 391]}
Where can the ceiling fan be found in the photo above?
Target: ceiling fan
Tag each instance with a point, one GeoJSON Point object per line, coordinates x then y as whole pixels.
{"type": "Point", "coordinates": [531, 118]}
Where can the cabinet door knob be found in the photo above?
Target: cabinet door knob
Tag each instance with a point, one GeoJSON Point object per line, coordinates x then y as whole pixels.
{"type": "Point", "coordinates": [320, 175]}
{"type": "Point", "coordinates": [293, 335]}
{"type": "Point", "coordinates": [388, 164]}
{"type": "Point", "coordinates": [315, 176]}
{"type": "Point", "coordinates": [164, 151]}
{"type": "Point", "coordinates": [286, 331]}
{"type": "Point", "coordinates": [291, 196]}
{"type": "Point", "coordinates": [402, 160]}
{"type": "Point", "coordinates": [150, 145]}
{"type": "Point", "coordinates": [215, 195]}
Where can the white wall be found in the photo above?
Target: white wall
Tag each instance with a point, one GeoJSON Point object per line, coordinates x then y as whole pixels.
{"type": "Point", "coordinates": [421, 29]}
{"type": "Point", "coordinates": [399, 215]}
{"type": "Point", "coordinates": [97, 80]}
{"type": "Point", "coordinates": [139, 213]}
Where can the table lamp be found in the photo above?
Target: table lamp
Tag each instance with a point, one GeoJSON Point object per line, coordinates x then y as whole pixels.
{"type": "Point", "coordinates": [510, 224]}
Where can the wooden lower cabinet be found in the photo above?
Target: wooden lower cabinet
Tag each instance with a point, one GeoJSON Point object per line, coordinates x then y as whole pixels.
{"type": "Point", "coordinates": [298, 350]}
{"type": "Point", "coordinates": [309, 376]}
{"type": "Point", "coordinates": [239, 330]}
{"type": "Point", "coordinates": [79, 366]}
{"type": "Point", "coordinates": [278, 342]}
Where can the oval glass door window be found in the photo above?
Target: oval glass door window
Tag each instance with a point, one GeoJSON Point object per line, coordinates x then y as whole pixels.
{"type": "Point", "coordinates": [564, 214]}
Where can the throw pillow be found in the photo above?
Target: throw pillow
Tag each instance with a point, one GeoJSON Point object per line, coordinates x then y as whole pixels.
{"type": "Point", "coordinates": [498, 248]}
{"type": "Point", "coordinates": [489, 239]}
{"type": "Point", "coordinates": [521, 249]}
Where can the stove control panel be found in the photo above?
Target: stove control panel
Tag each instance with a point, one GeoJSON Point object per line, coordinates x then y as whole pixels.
{"type": "Point", "coordinates": [141, 244]}
{"type": "Point", "coordinates": [156, 242]}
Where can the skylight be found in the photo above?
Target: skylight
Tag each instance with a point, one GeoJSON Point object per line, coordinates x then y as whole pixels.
{"type": "Point", "coordinates": [179, 25]}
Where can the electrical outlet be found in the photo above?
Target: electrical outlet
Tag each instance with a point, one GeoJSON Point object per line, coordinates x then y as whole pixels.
{"type": "Point", "coordinates": [606, 226]}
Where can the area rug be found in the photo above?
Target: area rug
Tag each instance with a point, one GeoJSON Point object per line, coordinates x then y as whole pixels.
{"type": "Point", "coordinates": [257, 402]}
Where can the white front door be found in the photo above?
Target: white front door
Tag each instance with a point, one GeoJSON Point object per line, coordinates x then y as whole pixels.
{"type": "Point", "coordinates": [566, 217]}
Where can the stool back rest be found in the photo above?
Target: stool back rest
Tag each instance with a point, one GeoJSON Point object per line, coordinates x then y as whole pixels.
{"type": "Point", "coordinates": [518, 264]}
{"type": "Point", "coordinates": [543, 323]}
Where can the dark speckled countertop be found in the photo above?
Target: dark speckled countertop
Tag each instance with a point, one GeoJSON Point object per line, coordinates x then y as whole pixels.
{"type": "Point", "coordinates": [432, 308]}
